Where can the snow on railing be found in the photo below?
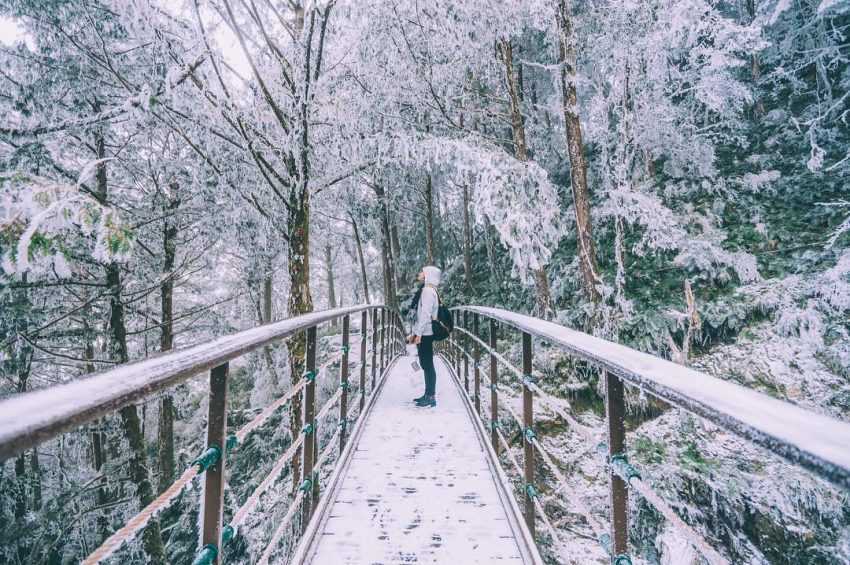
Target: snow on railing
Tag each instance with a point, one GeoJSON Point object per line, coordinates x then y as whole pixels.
{"type": "Point", "coordinates": [66, 407]}
{"type": "Point", "coordinates": [809, 440]}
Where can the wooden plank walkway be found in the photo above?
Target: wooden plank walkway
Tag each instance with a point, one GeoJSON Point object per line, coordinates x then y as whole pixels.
{"type": "Point", "coordinates": [419, 487]}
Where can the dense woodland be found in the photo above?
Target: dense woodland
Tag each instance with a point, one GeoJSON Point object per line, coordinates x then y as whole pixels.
{"type": "Point", "coordinates": [669, 174]}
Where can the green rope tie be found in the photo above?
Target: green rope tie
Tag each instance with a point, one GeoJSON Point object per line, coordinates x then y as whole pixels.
{"type": "Point", "coordinates": [227, 533]}
{"type": "Point", "coordinates": [493, 387]}
{"type": "Point", "coordinates": [311, 376]}
{"type": "Point", "coordinates": [343, 423]}
{"type": "Point", "coordinates": [308, 429]}
{"type": "Point", "coordinates": [231, 443]}
{"type": "Point", "coordinates": [531, 491]}
{"type": "Point", "coordinates": [306, 485]}
{"type": "Point", "coordinates": [345, 385]}
{"type": "Point", "coordinates": [206, 556]}
{"type": "Point", "coordinates": [527, 381]}
{"type": "Point", "coordinates": [495, 425]}
{"type": "Point", "coordinates": [622, 559]}
{"type": "Point", "coordinates": [622, 468]}
{"type": "Point", "coordinates": [529, 434]}
{"type": "Point", "coordinates": [208, 458]}
{"type": "Point", "coordinates": [345, 348]}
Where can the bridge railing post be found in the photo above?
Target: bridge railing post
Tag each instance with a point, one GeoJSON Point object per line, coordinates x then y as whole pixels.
{"type": "Point", "coordinates": [476, 369]}
{"type": "Point", "coordinates": [528, 422]}
{"type": "Point", "coordinates": [465, 341]}
{"type": "Point", "coordinates": [494, 394]}
{"type": "Point", "coordinates": [615, 414]}
{"type": "Point", "coordinates": [458, 350]}
{"type": "Point", "coordinates": [364, 325]}
{"type": "Point", "coordinates": [383, 339]}
{"type": "Point", "coordinates": [308, 447]}
{"type": "Point", "coordinates": [343, 382]}
{"type": "Point", "coordinates": [374, 345]}
{"type": "Point", "coordinates": [396, 339]}
{"type": "Point", "coordinates": [214, 477]}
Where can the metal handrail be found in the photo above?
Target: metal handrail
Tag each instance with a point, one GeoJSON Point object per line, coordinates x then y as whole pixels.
{"type": "Point", "coordinates": [798, 435]}
{"type": "Point", "coordinates": [29, 419]}
{"type": "Point", "coordinates": [32, 418]}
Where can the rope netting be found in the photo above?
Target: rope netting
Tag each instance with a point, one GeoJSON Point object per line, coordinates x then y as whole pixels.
{"type": "Point", "coordinates": [632, 478]}
{"type": "Point", "coordinates": [141, 520]}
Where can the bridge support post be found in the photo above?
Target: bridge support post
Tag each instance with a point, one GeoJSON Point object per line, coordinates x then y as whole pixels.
{"type": "Point", "coordinates": [343, 382]}
{"type": "Point", "coordinates": [374, 345]}
{"type": "Point", "coordinates": [466, 341]}
{"type": "Point", "coordinates": [458, 350]}
{"type": "Point", "coordinates": [615, 411]}
{"type": "Point", "coordinates": [364, 325]}
{"type": "Point", "coordinates": [308, 448]}
{"type": "Point", "coordinates": [476, 369]}
{"type": "Point", "coordinates": [494, 394]}
{"type": "Point", "coordinates": [214, 477]}
{"type": "Point", "coordinates": [528, 422]}
{"type": "Point", "coordinates": [383, 339]}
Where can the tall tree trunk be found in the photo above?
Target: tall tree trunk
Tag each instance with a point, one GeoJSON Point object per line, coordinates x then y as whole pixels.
{"type": "Point", "coordinates": [397, 252]}
{"type": "Point", "coordinates": [132, 427]}
{"type": "Point", "coordinates": [166, 340]}
{"type": "Point", "coordinates": [390, 291]}
{"type": "Point", "coordinates": [543, 295]}
{"type": "Point", "coordinates": [467, 240]}
{"type": "Point", "coordinates": [300, 302]}
{"type": "Point", "coordinates": [363, 278]}
{"type": "Point", "coordinates": [329, 273]}
{"type": "Point", "coordinates": [35, 480]}
{"type": "Point", "coordinates": [429, 219]}
{"type": "Point", "coordinates": [589, 268]}
{"type": "Point", "coordinates": [98, 441]}
{"type": "Point", "coordinates": [755, 62]}
{"type": "Point", "coordinates": [268, 294]}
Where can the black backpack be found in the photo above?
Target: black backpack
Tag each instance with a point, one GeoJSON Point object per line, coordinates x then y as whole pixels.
{"type": "Point", "coordinates": [444, 324]}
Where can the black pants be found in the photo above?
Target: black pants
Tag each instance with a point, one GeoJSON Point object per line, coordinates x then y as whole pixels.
{"type": "Point", "coordinates": [425, 351]}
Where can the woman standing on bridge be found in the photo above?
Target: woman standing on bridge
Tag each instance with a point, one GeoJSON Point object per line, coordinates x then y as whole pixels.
{"type": "Point", "coordinates": [423, 336]}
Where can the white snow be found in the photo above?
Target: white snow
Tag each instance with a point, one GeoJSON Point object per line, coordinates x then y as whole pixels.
{"type": "Point", "coordinates": [772, 423]}
{"type": "Point", "coordinates": [418, 487]}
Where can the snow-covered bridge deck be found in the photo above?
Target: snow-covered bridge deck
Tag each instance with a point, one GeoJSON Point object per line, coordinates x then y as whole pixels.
{"type": "Point", "coordinates": [420, 486]}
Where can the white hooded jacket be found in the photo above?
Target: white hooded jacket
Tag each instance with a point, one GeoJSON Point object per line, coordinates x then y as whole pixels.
{"type": "Point", "coordinates": [428, 302]}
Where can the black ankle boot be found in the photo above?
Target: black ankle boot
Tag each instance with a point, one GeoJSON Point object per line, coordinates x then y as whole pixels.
{"type": "Point", "coordinates": [429, 401]}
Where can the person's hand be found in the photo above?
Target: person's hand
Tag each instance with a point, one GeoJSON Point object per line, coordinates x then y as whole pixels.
{"type": "Point", "coordinates": [411, 338]}
{"type": "Point", "coordinates": [417, 339]}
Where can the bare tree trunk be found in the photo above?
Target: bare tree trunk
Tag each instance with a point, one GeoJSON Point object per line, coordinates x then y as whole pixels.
{"type": "Point", "coordinates": [138, 468]}
{"type": "Point", "coordinates": [363, 278]}
{"type": "Point", "coordinates": [467, 240]}
{"type": "Point", "coordinates": [396, 250]}
{"type": "Point", "coordinates": [390, 291]}
{"type": "Point", "coordinates": [268, 293]}
{"type": "Point", "coordinates": [755, 62]}
{"type": "Point", "coordinates": [329, 272]}
{"type": "Point", "coordinates": [97, 435]}
{"type": "Point", "coordinates": [166, 340]}
{"type": "Point", "coordinates": [300, 302]}
{"type": "Point", "coordinates": [35, 480]}
{"type": "Point", "coordinates": [543, 295]}
{"type": "Point", "coordinates": [591, 279]}
{"type": "Point", "coordinates": [429, 219]}
{"type": "Point", "coordinates": [490, 242]}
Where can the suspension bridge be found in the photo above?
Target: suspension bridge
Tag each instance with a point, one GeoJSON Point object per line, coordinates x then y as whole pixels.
{"type": "Point", "coordinates": [391, 483]}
